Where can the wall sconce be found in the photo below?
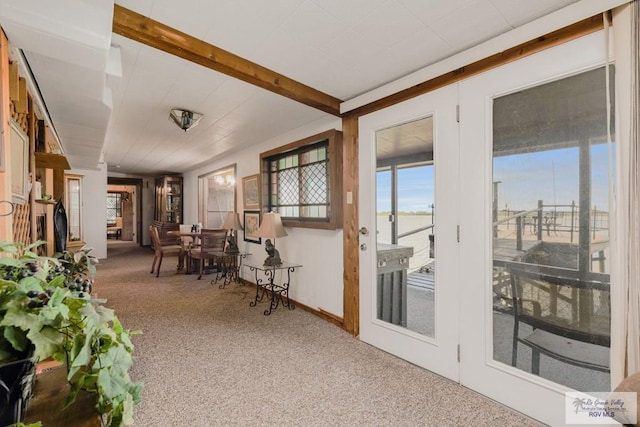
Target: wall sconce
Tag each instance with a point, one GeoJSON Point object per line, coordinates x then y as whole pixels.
{"type": "Point", "coordinates": [185, 119]}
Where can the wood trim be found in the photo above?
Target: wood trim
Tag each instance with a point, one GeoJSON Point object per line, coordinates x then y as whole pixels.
{"type": "Point", "coordinates": [6, 221]}
{"type": "Point", "coordinates": [350, 240]}
{"type": "Point", "coordinates": [323, 314]}
{"type": "Point", "coordinates": [335, 156]}
{"type": "Point", "coordinates": [32, 120]}
{"type": "Point", "coordinates": [555, 38]}
{"type": "Point", "coordinates": [22, 102]}
{"type": "Point", "coordinates": [145, 30]}
{"type": "Point", "coordinates": [14, 78]}
{"type": "Point", "coordinates": [51, 161]}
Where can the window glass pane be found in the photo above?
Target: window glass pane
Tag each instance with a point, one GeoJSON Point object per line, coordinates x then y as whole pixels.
{"type": "Point", "coordinates": [322, 212]}
{"type": "Point", "coordinates": [300, 180]}
{"type": "Point", "coordinates": [314, 183]}
{"type": "Point", "coordinates": [289, 191]}
{"type": "Point", "coordinates": [217, 197]}
{"type": "Point", "coordinates": [551, 250]}
{"type": "Point", "coordinates": [114, 207]}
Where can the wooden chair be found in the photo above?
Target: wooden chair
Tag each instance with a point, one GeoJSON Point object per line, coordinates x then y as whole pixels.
{"type": "Point", "coordinates": [187, 241]}
{"type": "Point", "coordinates": [212, 243]}
{"type": "Point", "coordinates": [116, 228]}
{"type": "Point", "coordinates": [161, 249]}
{"type": "Point", "coordinates": [569, 317]}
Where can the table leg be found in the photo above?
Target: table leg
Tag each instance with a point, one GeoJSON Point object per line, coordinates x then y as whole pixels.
{"type": "Point", "coordinates": [259, 286]}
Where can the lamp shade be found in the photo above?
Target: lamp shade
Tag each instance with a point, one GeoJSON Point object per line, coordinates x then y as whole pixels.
{"type": "Point", "coordinates": [232, 222]}
{"type": "Point", "coordinates": [271, 226]}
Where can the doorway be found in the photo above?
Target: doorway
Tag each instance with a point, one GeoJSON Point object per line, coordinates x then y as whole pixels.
{"type": "Point", "coordinates": [408, 258]}
{"type": "Point", "coordinates": [520, 229]}
{"type": "Point", "coordinates": [124, 199]}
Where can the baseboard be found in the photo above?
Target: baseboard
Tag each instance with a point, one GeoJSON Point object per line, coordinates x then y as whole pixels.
{"type": "Point", "coordinates": [325, 315]}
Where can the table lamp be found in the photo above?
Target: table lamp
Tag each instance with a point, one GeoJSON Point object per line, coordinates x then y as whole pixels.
{"type": "Point", "coordinates": [231, 223]}
{"type": "Point", "coordinates": [270, 228]}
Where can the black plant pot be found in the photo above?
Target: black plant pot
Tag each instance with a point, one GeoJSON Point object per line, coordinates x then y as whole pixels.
{"type": "Point", "coordinates": [16, 384]}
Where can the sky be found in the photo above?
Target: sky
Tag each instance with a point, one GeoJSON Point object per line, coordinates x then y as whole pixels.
{"type": "Point", "coordinates": [550, 176]}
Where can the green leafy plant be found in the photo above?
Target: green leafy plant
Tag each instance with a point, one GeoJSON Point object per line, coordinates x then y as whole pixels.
{"type": "Point", "coordinates": [47, 310]}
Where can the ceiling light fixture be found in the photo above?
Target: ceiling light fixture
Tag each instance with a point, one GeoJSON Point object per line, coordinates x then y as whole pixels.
{"type": "Point", "coordinates": [185, 119]}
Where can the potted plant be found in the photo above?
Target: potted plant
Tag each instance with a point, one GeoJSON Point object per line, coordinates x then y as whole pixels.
{"type": "Point", "coordinates": [47, 311]}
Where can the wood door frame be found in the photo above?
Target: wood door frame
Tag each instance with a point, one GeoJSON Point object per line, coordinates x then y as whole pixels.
{"type": "Point", "coordinates": [137, 182]}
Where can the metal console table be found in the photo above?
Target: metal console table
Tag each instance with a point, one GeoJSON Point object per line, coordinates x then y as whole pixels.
{"type": "Point", "coordinates": [279, 292]}
{"type": "Point", "coordinates": [229, 267]}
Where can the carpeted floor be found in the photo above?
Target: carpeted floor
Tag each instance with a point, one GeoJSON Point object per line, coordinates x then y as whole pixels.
{"type": "Point", "coordinates": [208, 359]}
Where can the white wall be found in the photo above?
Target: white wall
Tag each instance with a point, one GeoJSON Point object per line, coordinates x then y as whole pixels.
{"type": "Point", "coordinates": [319, 283]}
{"type": "Point", "coordinates": [94, 211]}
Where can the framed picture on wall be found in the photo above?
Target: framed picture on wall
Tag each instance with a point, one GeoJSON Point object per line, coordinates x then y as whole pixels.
{"type": "Point", "coordinates": [251, 225]}
{"type": "Point", "coordinates": [251, 191]}
{"type": "Point", "coordinates": [19, 170]}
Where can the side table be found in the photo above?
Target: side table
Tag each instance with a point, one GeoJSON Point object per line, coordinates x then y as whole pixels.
{"type": "Point", "coordinates": [229, 267]}
{"type": "Point", "coordinates": [279, 292]}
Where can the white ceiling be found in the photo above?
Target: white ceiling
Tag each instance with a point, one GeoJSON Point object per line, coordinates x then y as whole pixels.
{"type": "Point", "coordinates": [109, 97]}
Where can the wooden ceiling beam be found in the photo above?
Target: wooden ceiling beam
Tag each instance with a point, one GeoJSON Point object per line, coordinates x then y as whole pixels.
{"type": "Point", "coordinates": [145, 30]}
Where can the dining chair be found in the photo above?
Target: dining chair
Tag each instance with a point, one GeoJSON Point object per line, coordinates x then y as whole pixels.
{"type": "Point", "coordinates": [161, 249]}
{"type": "Point", "coordinates": [187, 241]}
{"type": "Point", "coordinates": [211, 247]}
{"type": "Point", "coordinates": [567, 318]}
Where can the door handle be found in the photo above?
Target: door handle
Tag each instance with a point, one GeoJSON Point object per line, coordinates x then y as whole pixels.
{"type": "Point", "coordinates": [363, 247]}
{"type": "Point", "coordinates": [364, 231]}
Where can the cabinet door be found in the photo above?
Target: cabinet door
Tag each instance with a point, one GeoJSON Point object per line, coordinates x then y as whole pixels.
{"type": "Point", "coordinates": [73, 199]}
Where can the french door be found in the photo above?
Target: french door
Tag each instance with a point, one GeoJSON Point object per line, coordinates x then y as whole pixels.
{"type": "Point", "coordinates": [409, 253]}
{"type": "Point", "coordinates": [461, 188]}
{"type": "Point", "coordinates": [535, 179]}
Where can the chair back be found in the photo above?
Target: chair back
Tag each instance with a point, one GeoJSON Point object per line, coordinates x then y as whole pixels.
{"type": "Point", "coordinates": [187, 241]}
{"type": "Point", "coordinates": [574, 308]}
{"type": "Point", "coordinates": [213, 239]}
{"type": "Point", "coordinates": [155, 237]}
{"type": "Point", "coordinates": [119, 222]}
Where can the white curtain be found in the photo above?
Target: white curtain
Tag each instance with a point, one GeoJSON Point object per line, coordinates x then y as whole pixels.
{"type": "Point", "coordinates": [625, 267]}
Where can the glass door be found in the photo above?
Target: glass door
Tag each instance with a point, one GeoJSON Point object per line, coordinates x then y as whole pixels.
{"type": "Point", "coordinates": [408, 296]}
{"type": "Point", "coordinates": [535, 230]}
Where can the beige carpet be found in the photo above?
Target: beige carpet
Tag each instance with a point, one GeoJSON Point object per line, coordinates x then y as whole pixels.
{"type": "Point", "coordinates": [208, 359]}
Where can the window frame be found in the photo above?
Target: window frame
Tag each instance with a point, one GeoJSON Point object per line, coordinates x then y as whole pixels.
{"type": "Point", "coordinates": [203, 194]}
{"type": "Point", "coordinates": [118, 208]}
{"type": "Point", "coordinates": [334, 158]}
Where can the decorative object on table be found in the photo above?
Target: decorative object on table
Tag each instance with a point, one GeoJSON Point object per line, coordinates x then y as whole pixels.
{"type": "Point", "coordinates": [251, 225]}
{"type": "Point", "coordinates": [251, 191]}
{"type": "Point", "coordinates": [270, 228]}
{"type": "Point", "coordinates": [60, 226]}
{"type": "Point", "coordinates": [232, 223]}
{"type": "Point", "coordinates": [185, 119]}
{"type": "Point", "coordinates": [47, 311]}
{"type": "Point", "coordinates": [212, 242]}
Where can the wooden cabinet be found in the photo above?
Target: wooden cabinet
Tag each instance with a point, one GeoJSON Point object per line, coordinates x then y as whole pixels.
{"type": "Point", "coordinates": [168, 206]}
